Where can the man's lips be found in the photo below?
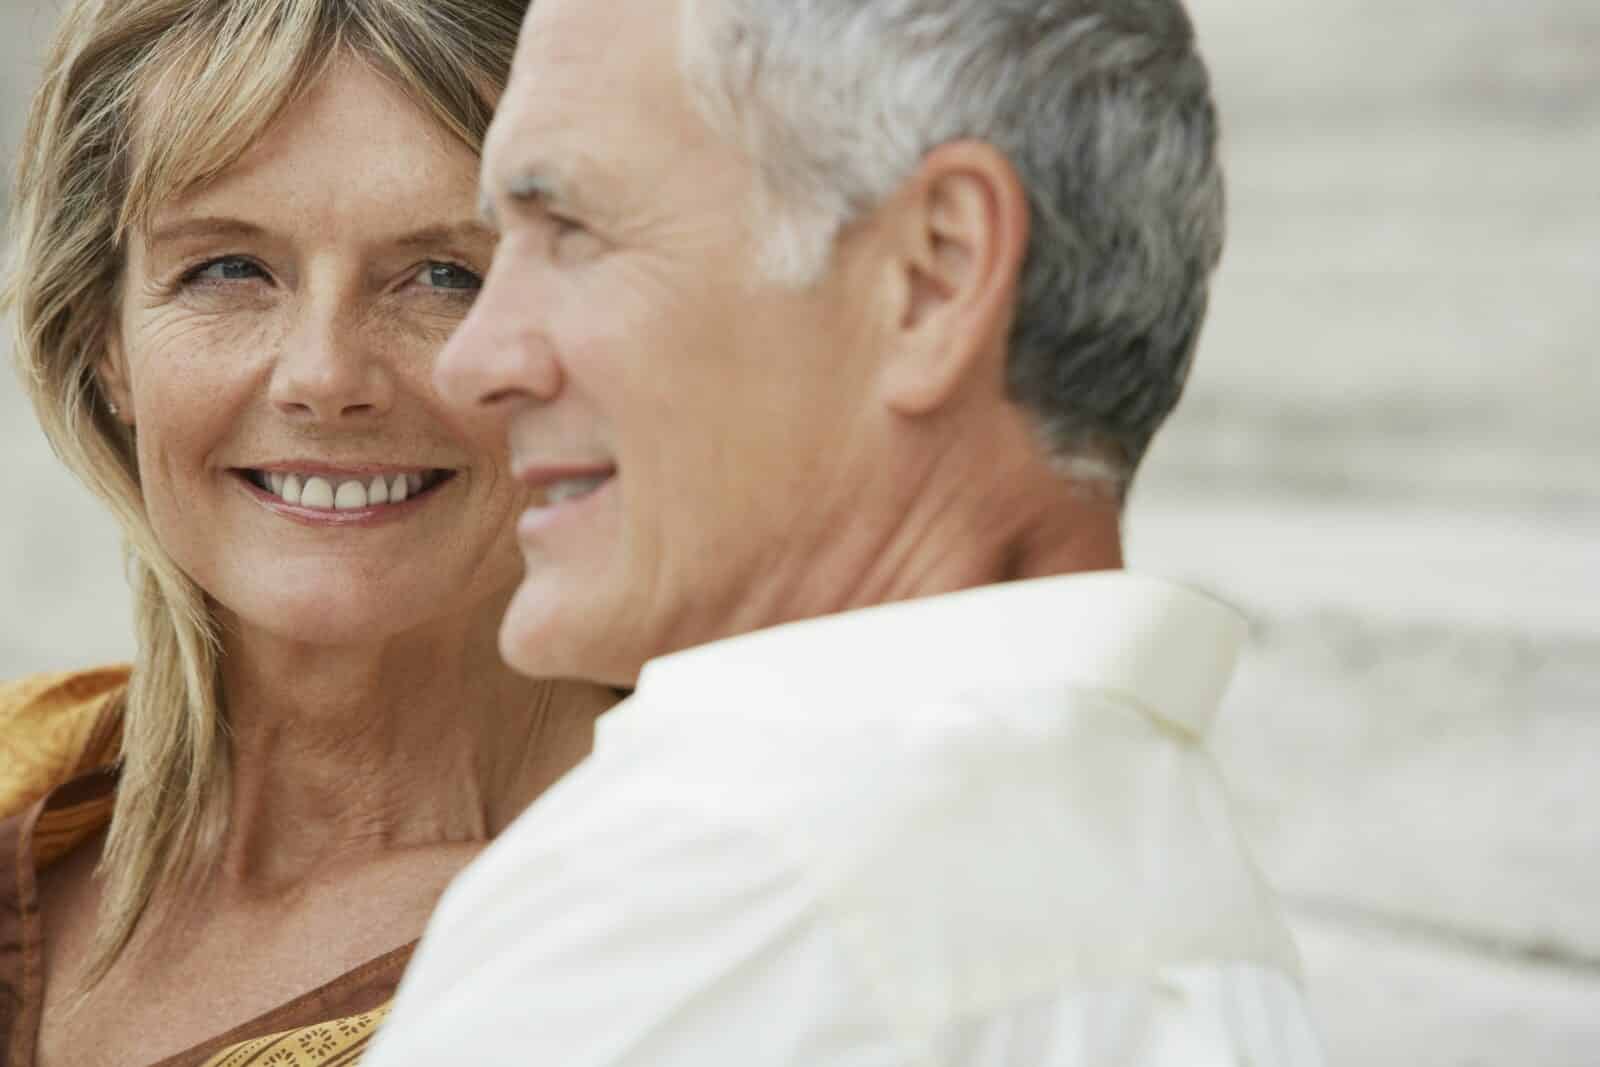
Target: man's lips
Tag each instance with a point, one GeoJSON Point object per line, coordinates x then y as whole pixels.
{"type": "Point", "coordinates": [560, 483]}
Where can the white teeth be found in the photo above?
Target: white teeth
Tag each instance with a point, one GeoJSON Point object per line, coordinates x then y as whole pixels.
{"type": "Point", "coordinates": [332, 494]}
{"type": "Point", "coordinates": [317, 494]}
{"type": "Point", "coordinates": [573, 488]}
{"type": "Point", "coordinates": [351, 495]}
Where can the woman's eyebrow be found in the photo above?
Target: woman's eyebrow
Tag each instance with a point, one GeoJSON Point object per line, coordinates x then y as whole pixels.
{"type": "Point", "coordinates": [468, 232]}
{"type": "Point", "coordinates": [204, 226]}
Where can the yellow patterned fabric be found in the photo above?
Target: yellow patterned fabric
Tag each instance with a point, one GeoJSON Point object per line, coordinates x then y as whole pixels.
{"type": "Point", "coordinates": [46, 725]}
{"type": "Point", "coordinates": [54, 727]}
{"type": "Point", "coordinates": [339, 1043]}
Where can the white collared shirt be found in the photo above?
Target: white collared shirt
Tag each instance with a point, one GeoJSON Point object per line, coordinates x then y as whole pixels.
{"type": "Point", "coordinates": [978, 830]}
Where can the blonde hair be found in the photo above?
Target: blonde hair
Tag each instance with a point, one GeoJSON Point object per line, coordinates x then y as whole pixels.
{"type": "Point", "coordinates": [142, 100]}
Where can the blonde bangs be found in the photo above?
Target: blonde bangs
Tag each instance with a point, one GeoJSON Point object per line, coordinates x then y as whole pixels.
{"type": "Point", "coordinates": [211, 89]}
{"type": "Point", "coordinates": [216, 84]}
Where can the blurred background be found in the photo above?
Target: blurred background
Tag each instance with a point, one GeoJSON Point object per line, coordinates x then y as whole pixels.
{"type": "Point", "coordinates": [1388, 455]}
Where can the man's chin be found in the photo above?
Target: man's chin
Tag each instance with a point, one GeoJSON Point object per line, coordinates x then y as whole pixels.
{"type": "Point", "coordinates": [550, 633]}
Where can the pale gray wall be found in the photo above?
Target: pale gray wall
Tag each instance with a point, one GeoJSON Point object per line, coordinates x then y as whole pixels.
{"type": "Point", "coordinates": [1388, 454]}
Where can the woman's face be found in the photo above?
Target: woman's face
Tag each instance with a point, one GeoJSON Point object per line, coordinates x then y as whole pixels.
{"type": "Point", "coordinates": [278, 328]}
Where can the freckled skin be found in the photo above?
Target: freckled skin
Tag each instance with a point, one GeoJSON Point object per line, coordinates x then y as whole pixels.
{"type": "Point", "coordinates": [315, 338]}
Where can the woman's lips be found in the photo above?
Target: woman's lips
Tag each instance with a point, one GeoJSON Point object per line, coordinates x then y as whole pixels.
{"type": "Point", "coordinates": [351, 498]}
{"type": "Point", "coordinates": [334, 492]}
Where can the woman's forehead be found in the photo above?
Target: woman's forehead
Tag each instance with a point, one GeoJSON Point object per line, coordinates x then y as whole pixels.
{"type": "Point", "coordinates": [351, 160]}
{"type": "Point", "coordinates": [194, 130]}
{"type": "Point", "coordinates": [196, 115]}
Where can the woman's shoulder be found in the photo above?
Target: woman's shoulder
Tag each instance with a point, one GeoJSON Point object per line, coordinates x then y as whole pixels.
{"type": "Point", "coordinates": [42, 695]}
{"type": "Point", "coordinates": [53, 727]}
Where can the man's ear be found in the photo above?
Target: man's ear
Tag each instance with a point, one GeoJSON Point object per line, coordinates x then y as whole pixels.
{"type": "Point", "coordinates": [112, 373]}
{"type": "Point", "coordinates": [961, 234]}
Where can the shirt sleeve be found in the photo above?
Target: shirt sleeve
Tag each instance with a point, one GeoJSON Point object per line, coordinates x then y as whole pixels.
{"type": "Point", "coordinates": [1216, 1015]}
{"type": "Point", "coordinates": [608, 930]}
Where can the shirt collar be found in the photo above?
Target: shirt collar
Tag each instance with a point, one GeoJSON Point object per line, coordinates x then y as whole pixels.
{"type": "Point", "coordinates": [1168, 649]}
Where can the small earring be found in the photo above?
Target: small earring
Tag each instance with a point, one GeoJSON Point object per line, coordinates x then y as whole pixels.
{"type": "Point", "coordinates": [111, 405]}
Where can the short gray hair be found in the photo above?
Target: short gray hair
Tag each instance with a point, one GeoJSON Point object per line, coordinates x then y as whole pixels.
{"type": "Point", "coordinates": [1103, 107]}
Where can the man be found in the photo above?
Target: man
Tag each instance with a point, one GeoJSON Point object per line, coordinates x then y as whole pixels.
{"type": "Point", "coordinates": [855, 316]}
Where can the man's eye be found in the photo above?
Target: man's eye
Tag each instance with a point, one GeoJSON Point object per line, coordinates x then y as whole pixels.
{"type": "Point", "coordinates": [225, 269]}
{"type": "Point", "coordinates": [450, 277]}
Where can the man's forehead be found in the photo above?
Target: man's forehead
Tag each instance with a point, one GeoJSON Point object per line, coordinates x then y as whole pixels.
{"type": "Point", "coordinates": [583, 56]}
{"type": "Point", "coordinates": [579, 33]}
{"type": "Point", "coordinates": [585, 71]}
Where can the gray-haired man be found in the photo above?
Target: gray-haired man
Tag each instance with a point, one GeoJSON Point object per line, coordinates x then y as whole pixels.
{"type": "Point", "coordinates": [848, 322]}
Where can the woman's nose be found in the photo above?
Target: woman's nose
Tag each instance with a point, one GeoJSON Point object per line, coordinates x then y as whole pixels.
{"type": "Point", "coordinates": [330, 370]}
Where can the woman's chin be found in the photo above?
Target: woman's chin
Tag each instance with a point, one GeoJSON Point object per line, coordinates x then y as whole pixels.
{"type": "Point", "coordinates": [333, 621]}
{"type": "Point", "coordinates": [347, 607]}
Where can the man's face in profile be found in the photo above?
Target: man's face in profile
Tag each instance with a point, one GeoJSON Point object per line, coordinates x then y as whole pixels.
{"type": "Point", "coordinates": [694, 424]}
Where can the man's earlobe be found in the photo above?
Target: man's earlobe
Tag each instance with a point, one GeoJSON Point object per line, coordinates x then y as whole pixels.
{"type": "Point", "coordinates": [963, 238]}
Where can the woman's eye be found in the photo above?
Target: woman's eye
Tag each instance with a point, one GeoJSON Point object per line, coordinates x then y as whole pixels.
{"type": "Point", "coordinates": [449, 277]}
{"type": "Point", "coordinates": [226, 269]}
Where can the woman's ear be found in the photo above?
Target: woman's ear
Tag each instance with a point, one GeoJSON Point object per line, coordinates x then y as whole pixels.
{"type": "Point", "coordinates": [112, 374]}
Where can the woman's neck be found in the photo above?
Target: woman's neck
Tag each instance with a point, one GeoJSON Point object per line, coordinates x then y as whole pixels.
{"type": "Point", "coordinates": [340, 755]}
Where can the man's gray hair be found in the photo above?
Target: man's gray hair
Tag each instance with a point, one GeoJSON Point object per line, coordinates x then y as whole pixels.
{"type": "Point", "coordinates": [1104, 109]}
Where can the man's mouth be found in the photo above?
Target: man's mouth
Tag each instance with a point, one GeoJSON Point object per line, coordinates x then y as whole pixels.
{"type": "Point", "coordinates": [353, 492]}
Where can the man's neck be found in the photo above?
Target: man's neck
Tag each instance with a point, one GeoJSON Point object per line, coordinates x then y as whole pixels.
{"type": "Point", "coordinates": [972, 517]}
{"type": "Point", "coordinates": [1032, 528]}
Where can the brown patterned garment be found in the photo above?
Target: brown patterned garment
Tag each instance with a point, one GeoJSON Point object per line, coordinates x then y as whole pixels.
{"type": "Point", "coordinates": [59, 736]}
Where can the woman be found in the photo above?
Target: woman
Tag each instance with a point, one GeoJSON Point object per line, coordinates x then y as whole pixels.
{"type": "Point", "coordinates": [245, 228]}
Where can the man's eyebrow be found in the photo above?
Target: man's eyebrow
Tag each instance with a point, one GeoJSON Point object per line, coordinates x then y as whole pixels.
{"type": "Point", "coordinates": [528, 188]}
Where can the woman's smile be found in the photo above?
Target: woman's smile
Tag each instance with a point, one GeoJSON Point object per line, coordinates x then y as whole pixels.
{"type": "Point", "coordinates": [277, 371]}
{"type": "Point", "coordinates": [361, 495]}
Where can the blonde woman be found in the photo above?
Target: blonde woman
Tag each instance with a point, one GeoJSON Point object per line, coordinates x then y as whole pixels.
{"type": "Point", "coordinates": [244, 230]}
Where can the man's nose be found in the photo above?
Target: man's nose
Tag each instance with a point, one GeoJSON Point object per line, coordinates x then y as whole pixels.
{"type": "Point", "coordinates": [501, 356]}
{"type": "Point", "coordinates": [330, 370]}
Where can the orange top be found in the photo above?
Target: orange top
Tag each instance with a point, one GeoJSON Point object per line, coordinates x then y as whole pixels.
{"type": "Point", "coordinates": [59, 739]}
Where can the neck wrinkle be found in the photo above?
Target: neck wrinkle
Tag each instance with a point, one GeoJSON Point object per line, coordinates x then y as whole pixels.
{"type": "Point", "coordinates": [344, 755]}
{"type": "Point", "coordinates": [980, 516]}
